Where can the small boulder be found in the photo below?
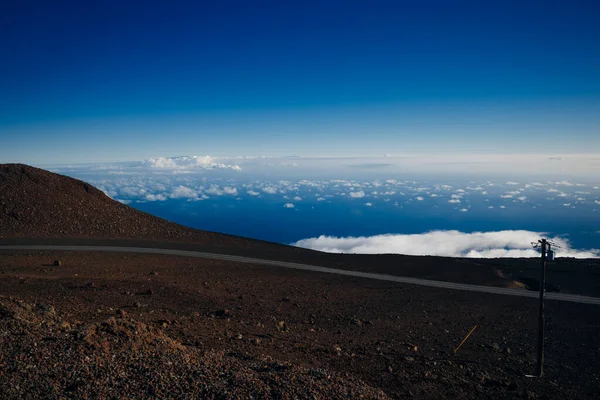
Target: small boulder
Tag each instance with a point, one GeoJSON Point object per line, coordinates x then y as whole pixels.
{"type": "Point", "coordinates": [282, 326]}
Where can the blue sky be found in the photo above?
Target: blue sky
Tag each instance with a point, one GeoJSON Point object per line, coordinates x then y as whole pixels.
{"type": "Point", "coordinates": [113, 81]}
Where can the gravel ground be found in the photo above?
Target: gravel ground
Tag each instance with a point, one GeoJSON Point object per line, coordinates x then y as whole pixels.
{"type": "Point", "coordinates": [273, 330]}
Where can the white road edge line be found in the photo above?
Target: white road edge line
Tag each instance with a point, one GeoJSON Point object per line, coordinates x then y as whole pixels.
{"type": "Point", "coordinates": [382, 277]}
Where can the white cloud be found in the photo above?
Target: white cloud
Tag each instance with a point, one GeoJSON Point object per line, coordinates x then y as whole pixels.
{"type": "Point", "coordinates": [217, 191]}
{"type": "Point", "coordinates": [270, 190]}
{"type": "Point", "coordinates": [463, 210]}
{"type": "Point", "coordinates": [522, 198]}
{"type": "Point", "coordinates": [369, 204]}
{"type": "Point", "coordinates": [506, 196]}
{"type": "Point", "coordinates": [454, 201]}
{"type": "Point", "coordinates": [297, 198]}
{"type": "Point", "coordinates": [288, 205]}
{"type": "Point", "coordinates": [512, 183]}
{"type": "Point", "coordinates": [320, 198]}
{"type": "Point", "coordinates": [253, 193]}
{"type": "Point", "coordinates": [183, 192]}
{"type": "Point", "coordinates": [155, 197]}
{"type": "Point", "coordinates": [434, 195]}
{"type": "Point", "coordinates": [420, 198]}
{"type": "Point", "coordinates": [445, 243]}
{"type": "Point", "coordinates": [230, 190]}
{"type": "Point", "coordinates": [187, 163]}
{"type": "Point", "coordinates": [357, 195]}
{"type": "Point", "coordinates": [597, 201]}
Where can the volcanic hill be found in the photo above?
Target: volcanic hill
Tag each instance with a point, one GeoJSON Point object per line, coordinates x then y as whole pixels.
{"type": "Point", "coordinates": [40, 204]}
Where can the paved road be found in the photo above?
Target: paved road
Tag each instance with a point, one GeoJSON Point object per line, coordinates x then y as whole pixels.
{"type": "Point", "coordinates": [382, 277]}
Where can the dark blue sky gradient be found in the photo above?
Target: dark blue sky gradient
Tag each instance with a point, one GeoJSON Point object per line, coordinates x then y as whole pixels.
{"type": "Point", "coordinates": [90, 70]}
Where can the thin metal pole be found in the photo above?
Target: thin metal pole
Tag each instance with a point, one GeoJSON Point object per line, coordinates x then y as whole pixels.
{"type": "Point", "coordinates": [540, 355]}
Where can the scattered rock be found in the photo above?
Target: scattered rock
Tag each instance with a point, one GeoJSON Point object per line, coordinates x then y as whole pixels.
{"type": "Point", "coordinates": [223, 313]}
{"type": "Point", "coordinates": [121, 313]}
{"type": "Point", "coordinates": [390, 369]}
{"type": "Point", "coordinates": [137, 304]}
{"type": "Point", "coordinates": [154, 273]}
{"type": "Point", "coordinates": [57, 263]}
{"type": "Point", "coordinates": [282, 326]}
{"type": "Point", "coordinates": [409, 359]}
{"type": "Point", "coordinates": [496, 347]}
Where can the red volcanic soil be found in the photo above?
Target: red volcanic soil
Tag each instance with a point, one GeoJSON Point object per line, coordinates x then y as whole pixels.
{"type": "Point", "coordinates": [104, 325]}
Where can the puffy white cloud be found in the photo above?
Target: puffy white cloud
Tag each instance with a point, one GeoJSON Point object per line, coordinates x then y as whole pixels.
{"type": "Point", "coordinates": [132, 191]}
{"type": "Point", "coordinates": [454, 201]}
{"type": "Point", "coordinates": [230, 190]}
{"type": "Point", "coordinates": [288, 205]}
{"type": "Point", "coordinates": [420, 198]}
{"type": "Point", "coordinates": [512, 183]}
{"type": "Point", "coordinates": [357, 195]}
{"type": "Point", "coordinates": [463, 210]}
{"type": "Point", "coordinates": [320, 198]}
{"type": "Point", "coordinates": [183, 192]}
{"type": "Point", "coordinates": [155, 197]}
{"type": "Point", "coordinates": [597, 201]}
{"type": "Point", "coordinates": [506, 196]}
{"type": "Point", "coordinates": [445, 243]}
{"type": "Point", "coordinates": [369, 204]}
{"type": "Point", "coordinates": [270, 190]}
{"type": "Point", "coordinates": [253, 193]}
{"type": "Point", "coordinates": [187, 163]}
{"type": "Point", "coordinates": [297, 198]}
{"type": "Point", "coordinates": [218, 191]}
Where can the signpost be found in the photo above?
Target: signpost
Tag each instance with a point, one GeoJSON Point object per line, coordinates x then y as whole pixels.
{"type": "Point", "coordinates": [540, 350]}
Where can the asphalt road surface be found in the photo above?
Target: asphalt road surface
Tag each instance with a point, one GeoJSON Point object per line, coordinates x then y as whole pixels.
{"type": "Point", "coordinates": [282, 264]}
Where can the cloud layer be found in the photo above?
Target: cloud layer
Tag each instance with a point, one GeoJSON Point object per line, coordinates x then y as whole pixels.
{"type": "Point", "coordinates": [445, 243]}
{"type": "Point", "coordinates": [187, 163]}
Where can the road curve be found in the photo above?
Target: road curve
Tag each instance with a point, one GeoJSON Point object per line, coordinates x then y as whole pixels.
{"type": "Point", "coordinates": [305, 267]}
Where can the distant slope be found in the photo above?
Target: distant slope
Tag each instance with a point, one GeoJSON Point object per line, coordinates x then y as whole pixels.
{"type": "Point", "coordinates": [38, 203]}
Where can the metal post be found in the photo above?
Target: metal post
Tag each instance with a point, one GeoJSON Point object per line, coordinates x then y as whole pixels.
{"type": "Point", "coordinates": [540, 355]}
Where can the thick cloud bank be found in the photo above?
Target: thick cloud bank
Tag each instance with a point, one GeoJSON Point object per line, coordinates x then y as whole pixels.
{"type": "Point", "coordinates": [445, 243]}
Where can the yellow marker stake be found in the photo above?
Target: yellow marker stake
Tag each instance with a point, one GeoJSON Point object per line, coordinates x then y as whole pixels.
{"type": "Point", "coordinates": [465, 339]}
